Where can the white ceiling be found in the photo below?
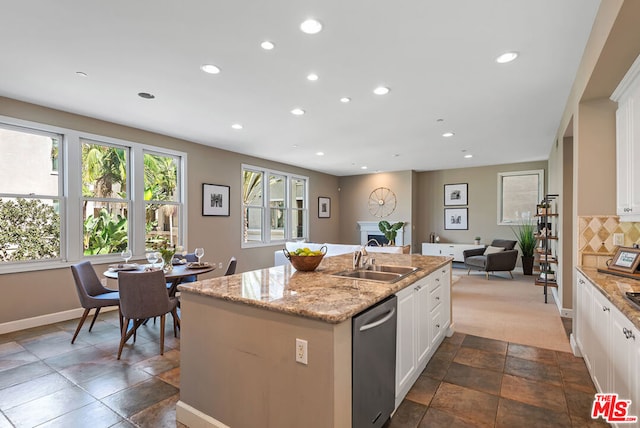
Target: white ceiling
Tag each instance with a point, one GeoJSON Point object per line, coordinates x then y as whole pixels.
{"type": "Point", "coordinates": [437, 56]}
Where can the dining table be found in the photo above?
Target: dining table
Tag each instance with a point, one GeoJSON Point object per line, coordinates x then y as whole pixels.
{"type": "Point", "coordinates": [175, 275]}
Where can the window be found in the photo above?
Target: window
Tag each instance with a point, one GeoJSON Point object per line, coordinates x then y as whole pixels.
{"type": "Point", "coordinates": [518, 194]}
{"type": "Point", "coordinates": [162, 199]}
{"type": "Point", "coordinates": [274, 206]}
{"type": "Point", "coordinates": [67, 195]}
{"type": "Point", "coordinates": [105, 198]}
{"type": "Point", "coordinates": [30, 195]}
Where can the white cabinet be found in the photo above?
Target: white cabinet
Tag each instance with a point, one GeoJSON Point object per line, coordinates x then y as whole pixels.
{"type": "Point", "coordinates": [422, 320]}
{"type": "Point", "coordinates": [627, 95]}
{"type": "Point", "coordinates": [451, 250]}
{"type": "Point", "coordinates": [609, 343]}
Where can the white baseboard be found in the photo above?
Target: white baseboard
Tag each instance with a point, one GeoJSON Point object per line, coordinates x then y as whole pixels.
{"type": "Point", "coordinates": [194, 418]}
{"type": "Point", "coordinates": [38, 321]}
{"type": "Point", "coordinates": [574, 346]}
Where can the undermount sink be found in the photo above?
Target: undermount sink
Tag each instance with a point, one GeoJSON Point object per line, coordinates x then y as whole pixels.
{"type": "Point", "coordinates": [378, 273]}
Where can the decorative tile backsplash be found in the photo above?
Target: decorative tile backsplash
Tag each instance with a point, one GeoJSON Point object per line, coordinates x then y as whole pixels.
{"type": "Point", "coordinates": [595, 238]}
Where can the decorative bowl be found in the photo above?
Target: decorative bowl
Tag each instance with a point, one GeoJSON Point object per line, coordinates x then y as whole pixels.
{"type": "Point", "coordinates": [305, 263]}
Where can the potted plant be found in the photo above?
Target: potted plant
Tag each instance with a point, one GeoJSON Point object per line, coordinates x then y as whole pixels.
{"type": "Point", "coordinates": [525, 234]}
{"type": "Point", "coordinates": [390, 231]}
{"type": "Point", "coordinates": [476, 240]}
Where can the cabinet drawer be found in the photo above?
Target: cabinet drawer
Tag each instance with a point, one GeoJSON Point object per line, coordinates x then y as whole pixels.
{"type": "Point", "coordinates": [435, 297]}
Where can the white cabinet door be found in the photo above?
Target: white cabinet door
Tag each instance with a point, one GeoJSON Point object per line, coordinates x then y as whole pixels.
{"type": "Point", "coordinates": [623, 354]}
{"type": "Point", "coordinates": [623, 160]}
{"type": "Point", "coordinates": [584, 317]}
{"type": "Point", "coordinates": [600, 343]}
{"type": "Point", "coordinates": [429, 249]}
{"type": "Point", "coordinates": [423, 322]}
{"type": "Point", "coordinates": [405, 340]}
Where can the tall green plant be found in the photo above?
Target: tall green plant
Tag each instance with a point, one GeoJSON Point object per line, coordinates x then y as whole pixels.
{"type": "Point", "coordinates": [105, 234]}
{"type": "Point", "coordinates": [525, 234]}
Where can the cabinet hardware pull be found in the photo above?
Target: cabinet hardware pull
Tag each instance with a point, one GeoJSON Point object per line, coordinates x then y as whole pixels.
{"type": "Point", "coordinates": [605, 309]}
{"type": "Point", "coordinates": [437, 297]}
{"type": "Point", "coordinates": [437, 325]}
{"type": "Point", "coordinates": [580, 281]}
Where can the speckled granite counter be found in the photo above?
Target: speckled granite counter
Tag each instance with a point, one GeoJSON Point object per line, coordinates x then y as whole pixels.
{"type": "Point", "coordinates": [614, 288]}
{"type": "Point", "coordinates": [317, 295]}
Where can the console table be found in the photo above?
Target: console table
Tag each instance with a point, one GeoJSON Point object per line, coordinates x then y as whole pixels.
{"type": "Point", "coordinates": [447, 249]}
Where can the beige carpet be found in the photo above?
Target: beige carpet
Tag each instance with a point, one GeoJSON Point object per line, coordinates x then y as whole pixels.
{"type": "Point", "coordinates": [507, 309]}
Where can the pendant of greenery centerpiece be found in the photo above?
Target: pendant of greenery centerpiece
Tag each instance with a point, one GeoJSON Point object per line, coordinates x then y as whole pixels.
{"type": "Point", "coordinates": [390, 231]}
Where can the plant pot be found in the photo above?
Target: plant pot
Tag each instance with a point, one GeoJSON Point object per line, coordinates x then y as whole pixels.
{"type": "Point", "coordinates": [527, 265]}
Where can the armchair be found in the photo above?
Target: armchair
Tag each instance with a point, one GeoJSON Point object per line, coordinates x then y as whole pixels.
{"type": "Point", "coordinates": [487, 261]}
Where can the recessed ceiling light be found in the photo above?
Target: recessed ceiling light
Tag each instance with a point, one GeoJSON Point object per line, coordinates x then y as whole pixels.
{"type": "Point", "coordinates": [81, 73]}
{"type": "Point", "coordinates": [448, 134]}
{"type": "Point", "coordinates": [381, 90]}
{"type": "Point", "coordinates": [345, 100]}
{"type": "Point", "coordinates": [237, 126]}
{"type": "Point", "coordinates": [319, 153]}
{"type": "Point", "coordinates": [507, 57]}
{"type": "Point", "coordinates": [313, 77]}
{"type": "Point", "coordinates": [468, 156]}
{"type": "Point", "coordinates": [267, 45]}
{"type": "Point", "coordinates": [210, 68]}
{"type": "Point", "coordinates": [297, 112]}
{"type": "Point", "coordinates": [363, 167]}
{"type": "Point", "coordinates": [311, 26]}
{"type": "Point", "coordinates": [146, 95]}
{"type": "Point", "coordinates": [395, 155]}
{"type": "Point", "coordinates": [440, 120]}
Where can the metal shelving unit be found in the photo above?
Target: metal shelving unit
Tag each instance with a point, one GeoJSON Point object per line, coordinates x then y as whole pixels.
{"type": "Point", "coordinates": [545, 252]}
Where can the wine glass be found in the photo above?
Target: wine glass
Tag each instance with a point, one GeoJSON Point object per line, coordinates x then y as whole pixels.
{"type": "Point", "coordinates": [199, 252]}
{"type": "Point", "coordinates": [152, 257]}
{"type": "Point", "coordinates": [126, 255]}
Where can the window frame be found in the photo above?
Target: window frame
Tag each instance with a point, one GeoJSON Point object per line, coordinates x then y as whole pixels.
{"type": "Point", "coordinates": [70, 185]}
{"type": "Point", "coordinates": [501, 175]}
{"type": "Point", "coordinates": [265, 233]}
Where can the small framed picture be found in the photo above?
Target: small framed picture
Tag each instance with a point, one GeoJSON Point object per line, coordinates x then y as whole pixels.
{"type": "Point", "coordinates": [324, 207]}
{"type": "Point", "coordinates": [215, 200]}
{"type": "Point", "coordinates": [626, 259]}
{"type": "Point", "coordinates": [456, 219]}
{"type": "Point", "coordinates": [456, 194]}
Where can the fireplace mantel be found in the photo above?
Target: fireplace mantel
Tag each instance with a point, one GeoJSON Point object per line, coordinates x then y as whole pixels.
{"type": "Point", "coordinates": [371, 228]}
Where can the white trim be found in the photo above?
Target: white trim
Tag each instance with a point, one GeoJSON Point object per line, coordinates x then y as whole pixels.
{"type": "Point", "coordinates": [41, 320]}
{"type": "Point", "coordinates": [194, 418]}
{"type": "Point", "coordinates": [626, 81]}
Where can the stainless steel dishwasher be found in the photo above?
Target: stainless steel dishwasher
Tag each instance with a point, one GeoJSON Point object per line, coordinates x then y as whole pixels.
{"type": "Point", "coordinates": [374, 364]}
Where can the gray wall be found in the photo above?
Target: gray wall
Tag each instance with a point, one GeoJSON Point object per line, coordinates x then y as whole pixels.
{"type": "Point", "coordinates": [220, 236]}
{"type": "Point", "coordinates": [483, 202]}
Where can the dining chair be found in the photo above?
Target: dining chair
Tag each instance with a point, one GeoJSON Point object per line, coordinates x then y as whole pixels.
{"type": "Point", "coordinates": [143, 295]}
{"type": "Point", "coordinates": [189, 258]}
{"type": "Point", "coordinates": [231, 267]}
{"type": "Point", "coordinates": [92, 294]}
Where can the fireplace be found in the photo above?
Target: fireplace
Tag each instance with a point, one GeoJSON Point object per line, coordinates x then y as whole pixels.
{"type": "Point", "coordinates": [369, 229]}
{"type": "Point", "coordinates": [380, 239]}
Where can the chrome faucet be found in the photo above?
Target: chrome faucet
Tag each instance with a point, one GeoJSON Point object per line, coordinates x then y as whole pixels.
{"type": "Point", "coordinates": [360, 258]}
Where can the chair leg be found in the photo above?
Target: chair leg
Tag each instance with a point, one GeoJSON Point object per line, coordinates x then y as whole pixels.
{"type": "Point", "coordinates": [162, 334]}
{"type": "Point", "coordinates": [126, 335]}
{"type": "Point", "coordinates": [469, 272]}
{"type": "Point", "coordinates": [487, 274]}
{"type": "Point", "coordinates": [95, 316]}
{"type": "Point", "coordinates": [84, 317]}
{"type": "Point", "coordinates": [176, 322]}
{"type": "Point", "coordinates": [511, 274]}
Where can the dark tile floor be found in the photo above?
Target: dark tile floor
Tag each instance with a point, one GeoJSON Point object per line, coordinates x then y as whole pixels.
{"type": "Point", "coordinates": [471, 381]}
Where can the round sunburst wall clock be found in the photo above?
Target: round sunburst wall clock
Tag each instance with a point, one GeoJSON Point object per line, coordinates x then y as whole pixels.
{"type": "Point", "coordinates": [382, 202]}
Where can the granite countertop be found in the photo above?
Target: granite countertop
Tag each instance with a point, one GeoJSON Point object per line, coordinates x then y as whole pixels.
{"type": "Point", "coordinates": [317, 294]}
{"type": "Point", "coordinates": [614, 287]}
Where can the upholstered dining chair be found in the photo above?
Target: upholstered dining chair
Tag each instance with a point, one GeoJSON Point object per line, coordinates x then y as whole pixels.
{"type": "Point", "coordinates": [144, 295]}
{"type": "Point", "coordinates": [189, 258]}
{"type": "Point", "coordinates": [231, 266]}
{"type": "Point", "coordinates": [92, 294]}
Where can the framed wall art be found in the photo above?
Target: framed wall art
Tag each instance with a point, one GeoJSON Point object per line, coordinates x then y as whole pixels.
{"type": "Point", "coordinates": [626, 260]}
{"type": "Point", "coordinates": [456, 219]}
{"type": "Point", "coordinates": [215, 199]}
{"type": "Point", "coordinates": [456, 194]}
{"type": "Point", "coordinates": [324, 207]}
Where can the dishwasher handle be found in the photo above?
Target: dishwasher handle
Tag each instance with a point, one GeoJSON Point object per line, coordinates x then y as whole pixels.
{"type": "Point", "coordinates": [389, 315]}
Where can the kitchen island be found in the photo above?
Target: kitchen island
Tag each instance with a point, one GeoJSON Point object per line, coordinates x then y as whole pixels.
{"type": "Point", "coordinates": [238, 342]}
